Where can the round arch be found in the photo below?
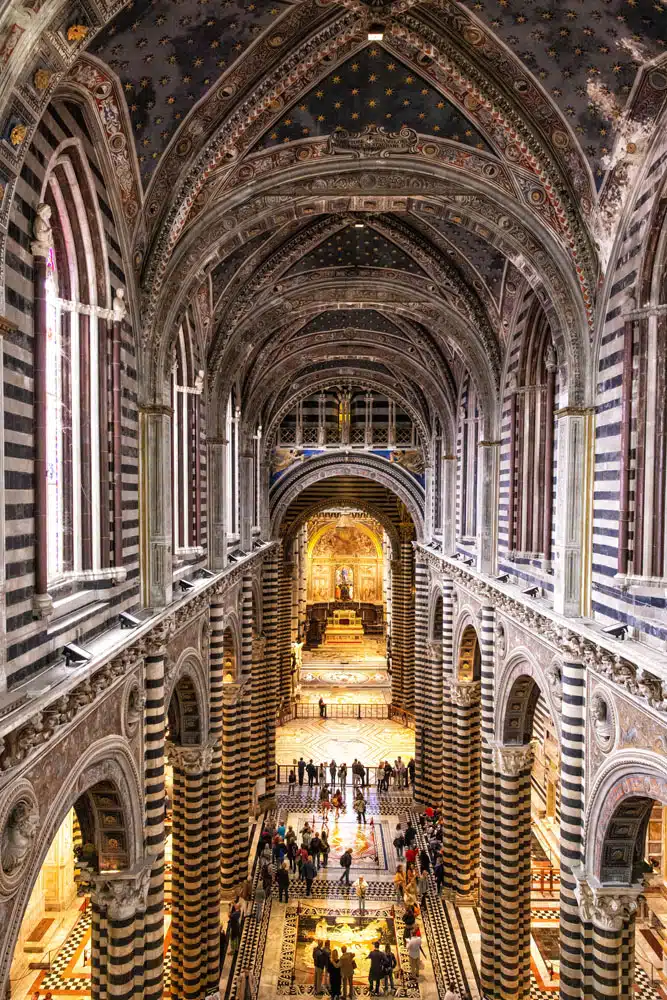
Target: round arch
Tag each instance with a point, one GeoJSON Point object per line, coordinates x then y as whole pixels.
{"type": "Point", "coordinates": [330, 527]}
{"type": "Point", "coordinates": [189, 669]}
{"type": "Point", "coordinates": [367, 508]}
{"type": "Point", "coordinates": [315, 470]}
{"type": "Point", "coordinates": [108, 760]}
{"type": "Point", "coordinates": [519, 684]}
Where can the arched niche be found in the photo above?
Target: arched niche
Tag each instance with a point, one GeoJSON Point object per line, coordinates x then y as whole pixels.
{"type": "Point", "coordinates": [469, 659]}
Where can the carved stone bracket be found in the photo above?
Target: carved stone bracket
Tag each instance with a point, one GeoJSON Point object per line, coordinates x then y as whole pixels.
{"type": "Point", "coordinates": [607, 907]}
{"type": "Point", "coordinates": [122, 894]}
{"type": "Point", "coordinates": [190, 760]}
{"type": "Point", "coordinates": [514, 760]}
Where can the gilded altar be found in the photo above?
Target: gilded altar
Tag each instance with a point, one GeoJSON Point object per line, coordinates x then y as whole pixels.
{"type": "Point", "coordinates": [344, 627]}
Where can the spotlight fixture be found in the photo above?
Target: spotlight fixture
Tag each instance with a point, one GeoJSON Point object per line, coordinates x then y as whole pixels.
{"type": "Point", "coordinates": [468, 560]}
{"type": "Point", "coordinates": [232, 557]}
{"type": "Point", "coordinates": [359, 225]}
{"type": "Point", "coordinates": [618, 630]}
{"type": "Point", "coordinates": [531, 592]}
{"type": "Point", "coordinates": [127, 620]}
{"type": "Point", "coordinates": [375, 32]}
{"type": "Point", "coordinates": [75, 655]}
{"type": "Point", "coordinates": [186, 586]}
{"type": "Point", "coordinates": [206, 574]}
{"type": "Point", "coordinates": [503, 578]}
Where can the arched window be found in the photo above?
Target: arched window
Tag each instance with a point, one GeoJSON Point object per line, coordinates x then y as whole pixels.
{"type": "Point", "coordinates": [186, 430]}
{"type": "Point", "coordinates": [76, 293]}
{"type": "Point", "coordinates": [468, 441]}
{"type": "Point", "coordinates": [232, 468]}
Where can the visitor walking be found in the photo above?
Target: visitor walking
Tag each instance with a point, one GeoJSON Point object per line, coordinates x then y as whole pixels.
{"type": "Point", "coordinates": [327, 958]}
{"type": "Point", "coordinates": [422, 888]}
{"type": "Point", "coordinates": [322, 779]}
{"type": "Point", "coordinates": [291, 782]}
{"type": "Point", "coordinates": [376, 971]}
{"type": "Point", "coordinates": [332, 771]}
{"type": "Point", "coordinates": [451, 994]}
{"type": "Point", "coordinates": [361, 888]}
{"type": "Point", "coordinates": [347, 965]}
{"type": "Point", "coordinates": [399, 841]}
{"type": "Point", "coordinates": [301, 768]}
{"type": "Point", "coordinates": [292, 851]}
{"type": "Point", "coordinates": [414, 950]}
{"type": "Point", "coordinates": [342, 777]}
{"type": "Point", "coordinates": [334, 975]}
{"type": "Point", "coordinates": [312, 771]}
{"type": "Point", "coordinates": [234, 927]}
{"type": "Point", "coordinates": [315, 848]}
{"type": "Point", "coordinates": [346, 864]}
{"type": "Point", "coordinates": [318, 963]}
{"type": "Point", "coordinates": [411, 770]}
{"type": "Point", "coordinates": [325, 847]}
{"type": "Point", "coordinates": [309, 873]}
{"type": "Point", "coordinates": [388, 966]}
{"type": "Point", "coordinates": [409, 920]}
{"type": "Point", "coordinates": [283, 883]}
{"type": "Point", "coordinates": [323, 708]}
{"type": "Point", "coordinates": [399, 883]}
{"type": "Point", "coordinates": [360, 808]}
{"type": "Point", "coordinates": [260, 896]}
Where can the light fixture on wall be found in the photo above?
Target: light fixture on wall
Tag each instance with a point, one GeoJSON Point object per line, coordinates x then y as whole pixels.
{"type": "Point", "coordinates": [375, 32]}
{"type": "Point", "coordinates": [618, 630]}
{"type": "Point", "coordinates": [359, 225]}
{"type": "Point", "coordinates": [531, 592]}
{"type": "Point", "coordinates": [186, 586]}
{"type": "Point", "coordinates": [206, 574]}
{"type": "Point", "coordinates": [127, 620]}
{"type": "Point", "coordinates": [503, 578]}
{"type": "Point", "coordinates": [75, 655]}
{"type": "Point", "coordinates": [467, 560]}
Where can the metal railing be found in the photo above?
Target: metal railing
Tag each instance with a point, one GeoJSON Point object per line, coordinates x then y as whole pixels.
{"type": "Point", "coordinates": [305, 710]}
{"type": "Point", "coordinates": [372, 776]}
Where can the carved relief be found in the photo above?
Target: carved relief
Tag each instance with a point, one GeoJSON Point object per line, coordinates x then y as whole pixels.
{"type": "Point", "coordinates": [19, 822]}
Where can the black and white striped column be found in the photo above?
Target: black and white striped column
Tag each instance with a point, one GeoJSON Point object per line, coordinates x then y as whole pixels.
{"type": "Point", "coordinates": [285, 629]}
{"type": "Point", "coordinates": [397, 634]}
{"type": "Point", "coordinates": [118, 928]}
{"type": "Point", "coordinates": [448, 671]}
{"type": "Point", "coordinates": [243, 790]}
{"type": "Point", "coordinates": [465, 699]}
{"type": "Point", "coordinates": [610, 912]}
{"type": "Point", "coordinates": [489, 876]}
{"type": "Point", "coordinates": [408, 616]}
{"type": "Point", "coordinates": [189, 917]}
{"type": "Point", "coordinates": [232, 778]}
{"type": "Point", "coordinates": [214, 786]}
{"type": "Point", "coordinates": [426, 721]}
{"type": "Point", "coordinates": [154, 739]}
{"type": "Point", "coordinates": [573, 735]}
{"type": "Point", "coordinates": [271, 695]}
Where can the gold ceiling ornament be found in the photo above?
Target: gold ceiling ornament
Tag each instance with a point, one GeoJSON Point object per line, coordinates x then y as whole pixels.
{"type": "Point", "coordinates": [42, 79]}
{"type": "Point", "coordinates": [77, 32]}
{"type": "Point", "coordinates": [18, 134]}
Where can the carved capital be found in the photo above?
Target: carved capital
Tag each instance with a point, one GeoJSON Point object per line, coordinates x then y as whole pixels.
{"type": "Point", "coordinates": [189, 759]}
{"type": "Point", "coordinates": [158, 637]}
{"type": "Point", "coordinates": [465, 693]}
{"type": "Point", "coordinates": [606, 907]}
{"type": "Point", "coordinates": [122, 894]}
{"type": "Point", "coordinates": [514, 760]}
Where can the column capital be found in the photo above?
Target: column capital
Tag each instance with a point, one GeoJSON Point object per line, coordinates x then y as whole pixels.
{"type": "Point", "coordinates": [158, 637]}
{"type": "Point", "coordinates": [123, 894]}
{"type": "Point", "coordinates": [465, 693]}
{"type": "Point", "coordinates": [606, 907]}
{"type": "Point", "coordinates": [513, 760]}
{"type": "Point", "coordinates": [192, 759]}
{"type": "Point", "coordinates": [230, 693]}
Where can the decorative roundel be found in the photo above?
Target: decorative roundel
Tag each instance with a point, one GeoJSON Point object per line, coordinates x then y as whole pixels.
{"type": "Point", "coordinates": [560, 139]}
{"type": "Point", "coordinates": [276, 103]}
{"type": "Point", "coordinates": [183, 147]}
{"type": "Point", "coordinates": [304, 153]}
{"type": "Point", "coordinates": [512, 152]}
{"type": "Point", "coordinates": [19, 822]}
{"type": "Point", "coordinates": [490, 170]}
{"type": "Point", "coordinates": [521, 86]}
{"type": "Point", "coordinates": [537, 196]}
{"type": "Point", "coordinates": [246, 172]}
{"type": "Point", "coordinates": [603, 720]}
{"type": "Point", "coordinates": [429, 149]}
{"type": "Point", "coordinates": [102, 90]}
{"type": "Point", "coordinates": [472, 35]}
{"type": "Point", "coordinates": [658, 80]}
{"type": "Point", "coordinates": [471, 102]}
{"type": "Point", "coordinates": [275, 41]}
{"type": "Point", "coordinates": [153, 208]}
{"type": "Point", "coordinates": [228, 90]}
{"type": "Point", "coordinates": [133, 707]}
{"type": "Point", "coordinates": [117, 142]}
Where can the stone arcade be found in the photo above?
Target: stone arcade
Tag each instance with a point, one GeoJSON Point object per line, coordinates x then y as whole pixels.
{"type": "Point", "coordinates": [333, 338]}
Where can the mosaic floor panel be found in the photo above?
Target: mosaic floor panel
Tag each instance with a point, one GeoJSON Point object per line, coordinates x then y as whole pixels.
{"type": "Point", "coordinates": [343, 676]}
{"type": "Point", "coordinates": [370, 741]}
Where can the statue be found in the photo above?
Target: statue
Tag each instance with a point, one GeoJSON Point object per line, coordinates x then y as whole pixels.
{"type": "Point", "coordinates": [119, 308]}
{"type": "Point", "coordinates": [602, 723]}
{"type": "Point", "coordinates": [555, 679]}
{"type": "Point", "coordinates": [199, 381]}
{"type": "Point", "coordinates": [18, 836]}
{"type": "Point", "coordinates": [42, 231]}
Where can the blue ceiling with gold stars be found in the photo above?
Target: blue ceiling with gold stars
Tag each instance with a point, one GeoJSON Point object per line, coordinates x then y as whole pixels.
{"type": "Point", "coordinates": [168, 54]}
{"type": "Point", "coordinates": [356, 247]}
{"type": "Point", "coordinates": [358, 319]}
{"type": "Point", "coordinates": [585, 53]}
{"type": "Point", "coordinates": [489, 262]}
{"type": "Point", "coordinates": [373, 88]}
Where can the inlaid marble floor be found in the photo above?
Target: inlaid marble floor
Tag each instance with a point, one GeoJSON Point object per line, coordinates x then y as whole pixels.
{"type": "Point", "coordinates": [370, 741]}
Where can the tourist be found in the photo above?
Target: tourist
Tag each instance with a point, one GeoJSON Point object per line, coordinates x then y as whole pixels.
{"type": "Point", "coordinates": [450, 994]}
{"type": "Point", "coordinates": [409, 920]}
{"type": "Point", "coordinates": [337, 803]}
{"type": "Point", "coordinates": [414, 950]}
{"type": "Point", "coordinates": [332, 772]}
{"type": "Point", "coordinates": [410, 894]}
{"type": "Point", "coordinates": [334, 975]}
{"type": "Point", "coordinates": [322, 775]}
{"type": "Point", "coordinates": [311, 771]}
{"type": "Point", "coordinates": [388, 966]}
{"type": "Point", "coordinates": [292, 851]}
{"type": "Point", "coordinates": [376, 971]}
{"type": "Point", "coordinates": [323, 708]}
{"type": "Point", "coordinates": [267, 878]}
{"type": "Point", "coordinates": [401, 773]}
{"type": "Point", "coordinates": [439, 872]}
{"type": "Point", "coordinates": [346, 864]}
{"type": "Point", "coordinates": [422, 887]}
{"type": "Point", "coordinates": [411, 854]}
{"type": "Point", "coordinates": [399, 883]}
{"type": "Point", "coordinates": [347, 965]}
{"type": "Point", "coordinates": [306, 836]}
{"type": "Point", "coordinates": [424, 860]}
{"type": "Point", "coordinates": [411, 770]}
{"type": "Point", "coordinates": [342, 777]}
{"type": "Point", "coordinates": [291, 782]}
{"type": "Point", "coordinates": [260, 896]}
{"type": "Point", "coordinates": [281, 829]}
{"type": "Point", "coordinates": [410, 835]}
{"type": "Point", "coordinates": [309, 873]}
{"type": "Point", "coordinates": [388, 772]}
{"type": "Point", "coordinates": [325, 972]}
{"type": "Point", "coordinates": [318, 956]}
{"type": "Point", "coordinates": [361, 888]}
{"type": "Point", "coordinates": [399, 841]}
{"type": "Point", "coordinates": [279, 851]}
{"type": "Point", "coordinates": [283, 882]}
{"type": "Point", "coordinates": [245, 896]}
{"type": "Point", "coordinates": [324, 847]}
{"type": "Point", "coordinates": [290, 835]}
{"type": "Point", "coordinates": [234, 926]}
{"type": "Point", "coordinates": [360, 808]}
{"type": "Point", "coordinates": [301, 768]}
{"type": "Point", "coordinates": [315, 848]}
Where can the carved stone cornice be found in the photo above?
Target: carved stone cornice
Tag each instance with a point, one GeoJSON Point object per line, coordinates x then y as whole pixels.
{"type": "Point", "coordinates": [512, 761]}
{"type": "Point", "coordinates": [607, 907]}
{"type": "Point", "coordinates": [122, 894]}
{"type": "Point", "coordinates": [465, 694]}
{"type": "Point", "coordinates": [190, 760]}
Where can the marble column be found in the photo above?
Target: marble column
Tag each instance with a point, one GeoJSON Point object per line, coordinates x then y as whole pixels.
{"type": "Point", "coordinates": [189, 880]}
{"type": "Point", "coordinates": [465, 699]}
{"type": "Point", "coordinates": [157, 503]}
{"type": "Point", "coordinates": [232, 777]}
{"type": "Point", "coordinates": [216, 657]}
{"type": "Point", "coordinates": [610, 912]}
{"type": "Point", "coordinates": [489, 814]}
{"type": "Point", "coordinates": [425, 720]}
{"type": "Point", "coordinates": [285, 629]}
{"type": "Point", "coordinates": [271, 672]}
{"type": "Point", "coordinates": [571, 555]}
{"type": "Point", "coordinates": [487, 505]}
{"type": "Point", "coordinates": [154, 808]}
{"type": "Point", "coordinates": [247, 497]}
{"type": "Point", "coordinates": [216, 485]}
{"type": "Point", "coordinates": [572, 693]}
{"type": "Point", "coordinates": [40, 249]}
{"type": "Point", "coordinates": [397, 634]}
{"type": "Point", "coordinates": [448, 794]}
{"type": "Point", "coordinates": [407, 609]}
{"type": "Point", "coordinates": [118, 910]}
{"type": "Point", "coordinates": [243, 791]}
{"type": "Point", "coordinates": [449, 505]}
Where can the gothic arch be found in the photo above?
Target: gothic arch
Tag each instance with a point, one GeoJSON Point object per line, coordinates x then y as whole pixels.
{"type": "Point", "coordinates": [186, 696]}
{"type": "Point", "coordinates": [519, 683]}
{"type": "Point", "coordinates": [368, 508]}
